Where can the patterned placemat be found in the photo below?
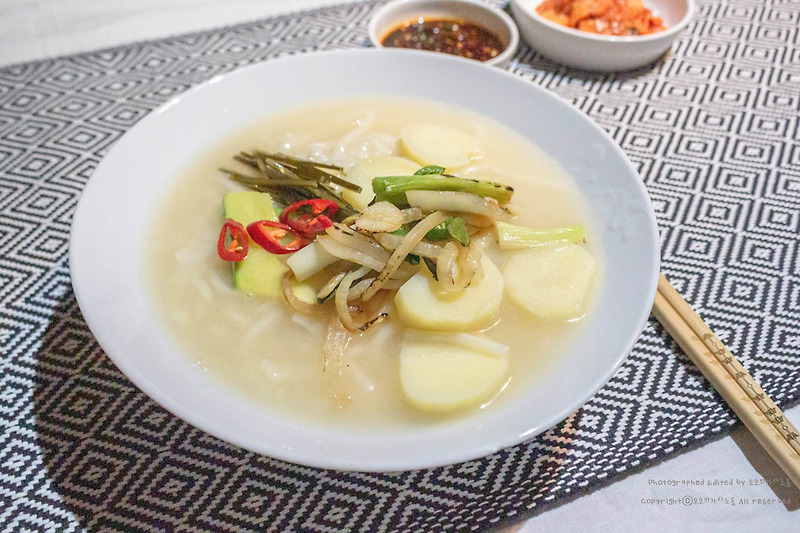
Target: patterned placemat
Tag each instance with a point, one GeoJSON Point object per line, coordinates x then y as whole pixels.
{"type": "Point", "coordinates": [713, 130]}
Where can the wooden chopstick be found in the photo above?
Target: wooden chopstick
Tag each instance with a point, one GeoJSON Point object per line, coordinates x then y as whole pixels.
{"type": "Point", "coordinates": [736, 386]}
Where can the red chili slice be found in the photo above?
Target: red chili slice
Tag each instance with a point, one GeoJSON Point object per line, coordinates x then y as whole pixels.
{"type": "Point", "coordinates": [276, 238]}
{"type": "Point", "coordinates": [234, 248]}
{"type": "Point", "coordinates": [309, 217]}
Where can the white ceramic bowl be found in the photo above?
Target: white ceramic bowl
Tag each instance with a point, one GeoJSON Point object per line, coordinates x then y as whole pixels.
{"type": "Point", "coordinates": [393, 14]}
{"type": "Point", "coordinates": [125, 186]}
{"type": "Point", "coordinates": [605, 53]}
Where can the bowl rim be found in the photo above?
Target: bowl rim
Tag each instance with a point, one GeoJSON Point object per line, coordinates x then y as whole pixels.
{"type": "Point", "coordinates": [374, 32]}
{"type": "Point", "coordinates": [528, 8]}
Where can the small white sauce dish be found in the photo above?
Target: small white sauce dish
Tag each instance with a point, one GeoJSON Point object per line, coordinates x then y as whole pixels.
{"type": "Point", "coordinates": [394, 14]}
{"type": "Point", "coordinates": [604, 53]}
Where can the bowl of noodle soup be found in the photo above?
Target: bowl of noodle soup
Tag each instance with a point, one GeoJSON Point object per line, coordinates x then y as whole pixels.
{"type": "Point", "coordinates": [249, 370]}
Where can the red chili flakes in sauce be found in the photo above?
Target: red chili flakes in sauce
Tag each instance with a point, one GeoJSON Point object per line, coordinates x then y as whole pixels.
{"type": "Point", "coordinates": [451, 36]}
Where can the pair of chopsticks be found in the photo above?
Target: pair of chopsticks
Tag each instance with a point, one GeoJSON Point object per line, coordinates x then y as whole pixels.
{"type": "Point", "coordinates": [736, 386]}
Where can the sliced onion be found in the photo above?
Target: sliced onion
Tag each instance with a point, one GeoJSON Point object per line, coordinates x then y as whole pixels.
{"type": "Point", "coordinates": [404, 271]}
{"type": "Point", "coordinates": [394, 284]}
{"type": "Point", "coordinates": [293, 300]}
{"type": "Point", "coordinates": [327, 289]}
{"type": "Point", "coordinates": [480, 222]}
{"type": "Point", "coordinates": [454, 201]}
{"type": "Point", "coordinates": [342, 297]}
{"type": "Point", "coordinates": [458, 267]}
{"type": "Point", "coordinates": [349, 220]}
{"type": "Point", "coordinates": [380, 217]}
{"type": "Point", "coordinates": [469, 263]}
{"type": "Point", "coordinates": [423, 249]}
{"type": "Point", "coordinates": [358, 289]}
{"type": "Point", "coordinates": [351, 254]}
{"type": "Point", "coordinates": [352, 238]}
{"type": "Point", "coordinates": [397, 280]}
{"type": "Point", "coordinates": [375, 310]}
{"type": "Point", "coordinates": [411, 239]}
{"type": "Point", "coordinates": [412, 214]}
{"type": "Point", "coordinates": [446, 265]}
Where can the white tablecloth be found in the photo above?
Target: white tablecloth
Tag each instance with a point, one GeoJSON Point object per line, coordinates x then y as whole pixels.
{"type": "Point", "coordinates": [727, 483]}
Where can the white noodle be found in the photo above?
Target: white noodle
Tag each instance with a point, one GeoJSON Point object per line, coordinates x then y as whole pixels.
{"type": "Point", "coordinates": [220, 285]}
{"type": "Point", "coordinates": [466, 340]}
{"type": "Point", "coordinates": [249, 339]}
{"type": "Point", "coordinates": [336, 340]}
{"type": "Point", "coordinates": [345, 151]}
{"type": "Point", "coordinates": [190, 255]}
{"type": "Point", "coordinates": [311, 325]}
{"type": "Point", "coordinates": [360, 379]}
{"type": "Point", "coordinates": [362, 125]}
{"type": "Point", "coordinates": [201, 286]}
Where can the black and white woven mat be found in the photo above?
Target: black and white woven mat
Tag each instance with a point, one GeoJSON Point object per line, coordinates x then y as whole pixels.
{"type": "Point", "coordinates": [713, 130]}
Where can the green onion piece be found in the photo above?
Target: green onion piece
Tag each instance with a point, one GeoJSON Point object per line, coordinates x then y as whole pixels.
{"type": "Point", "coordinates": [429, 170]}
{"type": "Point", "coordinates": [513, 237]}
{"type": "Point", "coordinates": [431, 265]}
{"type": "Point", "coordinates": [411, 258]}
{"type": "Point", "coordinates": [439, 233]}
{"type": "Point", "coordinates": [393, 188]}
{"type": "Point", "coordinates": [457, 228]}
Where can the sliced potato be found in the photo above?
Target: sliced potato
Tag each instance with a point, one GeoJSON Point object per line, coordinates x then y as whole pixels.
{"type": "Point", "coordinates": [438, 144]}
{"type": "Point", "coordinates": [422, 304]}
{"type": "Point", "coordinates": [552, 280]}
{"type": "Point", "coordinates": [365, 170]}
{"type": "Point", "coordinates": [442, 377]}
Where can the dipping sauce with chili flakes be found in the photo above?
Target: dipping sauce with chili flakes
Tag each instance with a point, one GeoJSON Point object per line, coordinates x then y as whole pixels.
{"type": "Point", "coordinates": [450, 36]}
